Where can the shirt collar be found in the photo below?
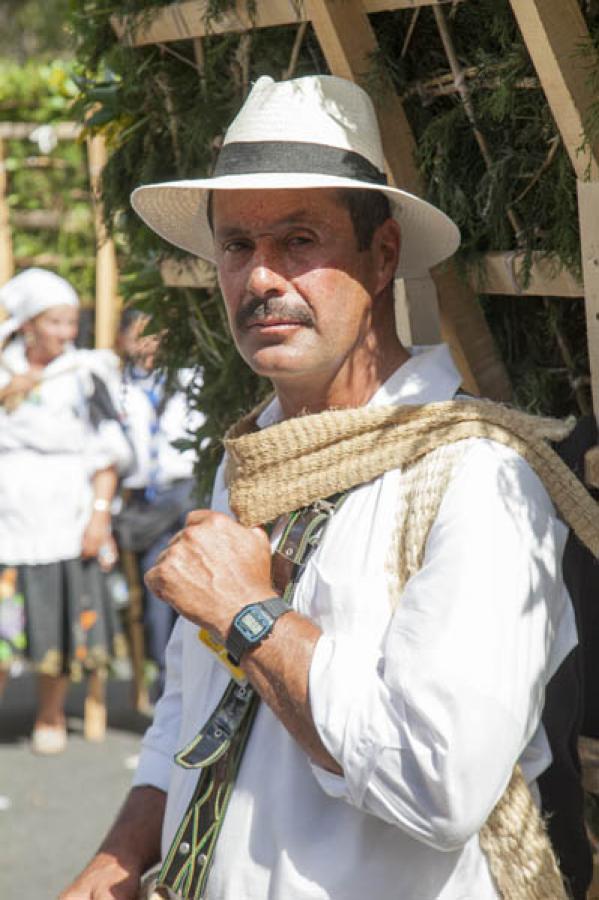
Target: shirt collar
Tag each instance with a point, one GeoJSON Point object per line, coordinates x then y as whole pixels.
{"type": "Point", "coordinates": [429, 376]}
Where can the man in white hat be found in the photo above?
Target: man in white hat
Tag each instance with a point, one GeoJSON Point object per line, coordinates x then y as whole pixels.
{"type": "Point", "coordinates": [397, 645]}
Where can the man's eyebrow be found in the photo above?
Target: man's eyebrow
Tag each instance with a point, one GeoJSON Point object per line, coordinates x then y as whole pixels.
{"type": "Point", "coordinates": [297, 217]}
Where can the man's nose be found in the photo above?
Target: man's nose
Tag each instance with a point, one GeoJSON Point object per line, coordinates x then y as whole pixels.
{"type": "Point", "coordinates": [266, 276]}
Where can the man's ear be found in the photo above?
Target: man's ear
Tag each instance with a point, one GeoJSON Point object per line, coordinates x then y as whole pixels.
{"type": "Point", "coordinates": [387, 244]}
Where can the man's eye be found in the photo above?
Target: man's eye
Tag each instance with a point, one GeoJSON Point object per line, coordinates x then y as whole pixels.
{"type": "Point", "coordinates": [236, 246]}
{"type": "Point", "coordinates": [299, 240]}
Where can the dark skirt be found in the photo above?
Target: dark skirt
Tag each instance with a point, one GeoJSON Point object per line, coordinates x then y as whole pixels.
{"type": "Point", "coordinates": [69, 623]}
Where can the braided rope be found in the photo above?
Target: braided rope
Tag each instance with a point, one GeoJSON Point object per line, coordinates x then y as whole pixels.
{"type": "Point", "coordinates": [295, 462]}
{"type": "Point", "coordinates": [514, 838]}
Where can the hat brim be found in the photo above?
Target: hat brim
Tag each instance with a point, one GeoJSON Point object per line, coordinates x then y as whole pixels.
{"type": "Point", "coordinates": [177, 211]}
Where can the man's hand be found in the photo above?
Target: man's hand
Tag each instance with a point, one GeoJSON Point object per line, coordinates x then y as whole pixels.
{"type": "Point", "coordinates": [211, 569]}
{"type": "Point", "coordinates": [131, 847]}
{"type": "Point", "coordinates": [105, 878]}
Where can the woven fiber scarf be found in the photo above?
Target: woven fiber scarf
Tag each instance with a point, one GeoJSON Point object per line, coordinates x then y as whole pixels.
{"type": "Point", "coordinates": [295, 462]}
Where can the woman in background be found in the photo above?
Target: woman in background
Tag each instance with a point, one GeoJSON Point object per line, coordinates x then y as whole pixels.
{"type": "Point", "coordinates": [61, 449]}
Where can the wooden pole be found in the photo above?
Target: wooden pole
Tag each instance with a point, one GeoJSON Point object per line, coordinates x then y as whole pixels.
{"type": "Point", "coordinates": [6, 254]}
{"type": "Point", "coordinates": [94, 709]}
{"type": "Point", "coordinates": [136, 629]}
{"type": "Point", "coordinates": [556, 35]}
{"type": "Point", "coordinates": [349, 44]}
{"type": "Point", "coordinates": [107, 305]}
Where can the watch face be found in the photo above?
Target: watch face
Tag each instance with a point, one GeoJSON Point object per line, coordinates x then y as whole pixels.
{"type": "Point", "coordinates": [253, 623]}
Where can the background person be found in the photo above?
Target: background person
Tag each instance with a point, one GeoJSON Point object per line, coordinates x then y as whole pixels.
{"type": "Point", "coordinates": [61, 448]}
{"type": "Point", "coordinates": [158, 489]}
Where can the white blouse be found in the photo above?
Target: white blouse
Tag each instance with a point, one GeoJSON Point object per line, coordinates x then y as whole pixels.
{"type": "Point", "coordinates": [426, 709]}
{"type": "Point", "coordinates": [49, 452]}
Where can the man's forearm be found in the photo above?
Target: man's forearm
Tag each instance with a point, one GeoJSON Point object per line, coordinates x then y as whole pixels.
{"type": "Point", "coordinates": [130, 848]}
{"type": "Point", "coordinates": [279, 670]}
{"type": "Point", "coordinates": [136, 832]}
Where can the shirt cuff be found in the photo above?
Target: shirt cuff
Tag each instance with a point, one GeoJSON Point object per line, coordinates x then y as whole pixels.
{"type": "Point", "coordinates": [153, 769]}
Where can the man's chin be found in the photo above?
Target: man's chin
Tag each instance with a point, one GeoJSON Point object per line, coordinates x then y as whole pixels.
{"type": "Point", "coordinates": [275, 362]}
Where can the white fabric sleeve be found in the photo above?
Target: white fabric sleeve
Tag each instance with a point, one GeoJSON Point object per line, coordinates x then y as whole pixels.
{"type": "Point", "coordinates": [427, 728]}
{"type": "Point", "coordinates": [108, 446]}
{"type": "Point", "coordinates": [160, 742]}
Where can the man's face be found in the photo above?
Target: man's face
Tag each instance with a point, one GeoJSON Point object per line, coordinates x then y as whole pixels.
{"type": "Point", "coordinates": [298, 293]}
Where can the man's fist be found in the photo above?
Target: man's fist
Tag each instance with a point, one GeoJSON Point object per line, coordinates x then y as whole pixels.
{"type": "Point", "coordinates": [211, 569]}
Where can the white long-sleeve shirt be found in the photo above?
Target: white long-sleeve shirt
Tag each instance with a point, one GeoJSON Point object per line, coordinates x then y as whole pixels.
{"type": "Point", "coordinates": [49, 452]}
{"type": "Point", "coordinates": [426, 709]}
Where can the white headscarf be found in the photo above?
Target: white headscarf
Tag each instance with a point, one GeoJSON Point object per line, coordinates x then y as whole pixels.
{"type": "Point", "coordinates": [30, 293]}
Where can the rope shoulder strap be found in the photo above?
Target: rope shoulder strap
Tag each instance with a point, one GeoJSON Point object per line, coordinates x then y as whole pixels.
{"type": "Point", "coordinates": [514, 838]}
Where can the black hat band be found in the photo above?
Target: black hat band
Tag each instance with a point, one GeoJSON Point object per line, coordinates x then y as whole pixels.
{"type": "Point", "coordinates": [255, 157]}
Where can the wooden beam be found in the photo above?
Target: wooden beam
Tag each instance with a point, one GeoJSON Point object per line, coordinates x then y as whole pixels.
{"type": "Point", "coordinates": [417, 311]}
{"type": "Point", "coordinates": [181, 21]}
{"type": "Point", "coordinates": [505, 273]}
{"type": "Point", "coordinates": [20, 131]}
{"type": "Point", "coordinates": [588, 209]}
{"type": "Point", "coordinates": [555, 34]}
{"type": "Point", "coordinates": [53, 261]}
{"type": "Point", "coordinates": [349, 44]}
{"type": "Point", "coordinates": [107, 305]}
{"type": "Point", "coordinates": [495, 273]}
{"type": "Point", "coordinates": [188, 272]}
{"type": "Point", "coordinates": [6, 257]}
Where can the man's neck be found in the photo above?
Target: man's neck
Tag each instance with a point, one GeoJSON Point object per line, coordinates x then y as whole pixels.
{"type": "Point", "coordinates": [353, 386]}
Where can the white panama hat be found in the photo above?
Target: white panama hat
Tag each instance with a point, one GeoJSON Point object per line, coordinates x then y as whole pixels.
{"type": "Point", "coordinates": [313, 132]}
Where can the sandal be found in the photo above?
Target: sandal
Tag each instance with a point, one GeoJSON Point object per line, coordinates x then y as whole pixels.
{"type": "Point", "coordinates": [47, 740]}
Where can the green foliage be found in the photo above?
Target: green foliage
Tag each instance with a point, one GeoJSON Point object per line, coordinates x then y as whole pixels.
{"type": "Point", "coordinates": [36, 92]}
{"type": "Point", "coordinates": [163, 113]}
{"type": "Point", "coordinates": [45, 178]}
{"type": "Point", "coordinates": [30, 29]}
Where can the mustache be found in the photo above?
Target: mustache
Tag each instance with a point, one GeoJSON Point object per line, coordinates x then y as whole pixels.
{"type": "Point", "coordinates": [257, 309]}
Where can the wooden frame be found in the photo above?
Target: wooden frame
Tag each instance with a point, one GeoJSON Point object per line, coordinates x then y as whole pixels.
{"type": "Point", "coordinates": [555, 34]}
{"type": "Point", "coordinates": [188, 19]}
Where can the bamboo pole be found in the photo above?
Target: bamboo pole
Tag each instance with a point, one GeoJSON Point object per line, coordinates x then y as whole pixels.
{"type": "Point", "coordinates": [107, 305]}
{"type": "Point", "coordinates": [6, 254]}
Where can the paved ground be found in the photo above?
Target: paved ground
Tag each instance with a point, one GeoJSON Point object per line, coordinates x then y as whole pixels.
{"type": "Point", "coordinates": [57, 808]}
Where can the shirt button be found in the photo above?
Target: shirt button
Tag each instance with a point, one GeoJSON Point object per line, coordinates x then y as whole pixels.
{"type": "Point", "coordinates": [184, 848]}
{"type": "Point", "coordinates": [202, 858]}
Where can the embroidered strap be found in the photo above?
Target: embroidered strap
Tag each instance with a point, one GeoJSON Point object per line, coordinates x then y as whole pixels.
{"type": "Point", "coordinates": [218, 747]}
{"type": "Point", "coordinates": [187, 864]}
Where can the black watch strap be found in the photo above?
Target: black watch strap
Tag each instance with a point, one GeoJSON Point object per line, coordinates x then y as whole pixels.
{"type": "Point", "coordinates": [275, 607]}
{"type": "Point", "coordinates": [237, 643]}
